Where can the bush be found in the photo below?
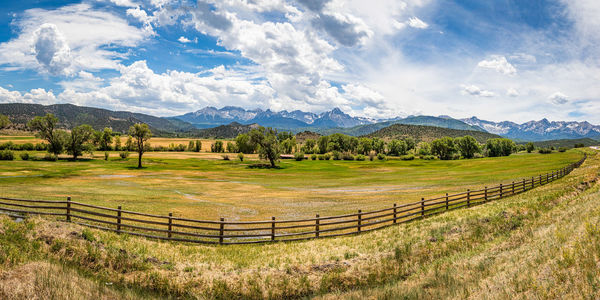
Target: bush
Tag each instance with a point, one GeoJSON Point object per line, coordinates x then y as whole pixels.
{"type": "Point", "coordinates": [225, 157]}
{"type": "Point", "coordinates": [407, 157]}
{"type": "Point", "coordinates": [124, 154]}
{"type": "Point", "coordinates": [360, 157]}
{"type": "Point", "coordinates": [562, 149]}
{"type": "Point", "coordinates": [327, 156]}
{"type": "Point", "coordinates": [106, 155]}
{"type": "Point", "coordinates": [28, 147]}
{"type": "Point", "coordinates": [371, 155]}
{"type": "Point", "coordinates": [381, 156]}
{"type": "Point", "coordinates": [580, 145]}
{"type": "Point", "coordinates": [241, 156]}
{"type": "Point", "coordinates": [217, 147]}
{"type": "Point", "coordinates": [41, 147]}
{"type": "Point", "coordinates": [50, 157]}
{"type": "Point", "coordinates": [6, 146]}
{"type": "Point", "coordinates": [7, 155]}
{"type": "Point", "coordinates": [313, 157]}
{"type": "Point", "coordinates": [321, 157]}
{"type": "Point", "coordinates": [545, 151]}
{"type": "Point", "coordinates": [299, 156]}
{"type": "Point", "coordinates": [428, 157]}
{"type": "Point", "coordinates": [336, 155]}
{"type": "Point", "coordinates": [24, 156]}
{"type": "Point", "coordinates": [347, 156]}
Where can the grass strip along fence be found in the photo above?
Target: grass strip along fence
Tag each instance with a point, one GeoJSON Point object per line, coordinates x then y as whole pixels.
{"type": "Point", "coordinates": [233, 232]}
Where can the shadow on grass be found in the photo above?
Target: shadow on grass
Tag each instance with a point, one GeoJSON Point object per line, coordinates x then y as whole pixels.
{"type": "Point", "coordinates": [263, 166]}
{"type": "Point", "coordinates": [135, 168]}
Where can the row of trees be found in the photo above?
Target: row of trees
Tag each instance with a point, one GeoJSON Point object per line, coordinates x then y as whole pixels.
{"type": "Point", "coordinates": [84, 138]}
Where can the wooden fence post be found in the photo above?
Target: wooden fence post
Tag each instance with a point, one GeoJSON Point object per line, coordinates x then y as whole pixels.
{"type": "Point", "coordinates": [317, 226]}
{"type": "Point", "coordinates": [221, 230]}
{"type": "Point", "coordinates": [524, 188]}
{"type": "Point", "coordinates": [359, 220]}
{"type": "Point", "coordinates": [119, 220]}
{"type": "Point", "coordinates": [272, 228]}
{"type": "Point", "coordinates": [532, 182]}
{"type": "Point", "coordinates": [485, 195]}
{"type": "Point", "coordinates": [501, 190]}
{"type": "Point", "coordinates": [513, 187]}
{"type": "Point", "coordinates": [422, 207]}
{"type": "Point", "coordinates": [447, 204]}
{"type": "Point", "coordinates": [68, 209]}
{"type": "Point", "coordinates": [395, 210]}
{"type": "Point", "coordinates": [468, 198]}
{"type": "Point", "coordinates": [540, 179]}
{"type": "Point", "coordinates": [170, 224]}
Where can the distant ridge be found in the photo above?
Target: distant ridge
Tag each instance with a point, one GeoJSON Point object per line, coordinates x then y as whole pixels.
{"type": "Point", "coordinates": [428, 133]}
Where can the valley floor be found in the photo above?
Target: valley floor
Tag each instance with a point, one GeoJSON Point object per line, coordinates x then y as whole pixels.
{"type": "Point", "coordinates": [542, 244]}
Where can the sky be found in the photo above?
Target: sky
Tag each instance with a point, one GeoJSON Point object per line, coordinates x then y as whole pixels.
{"type": "Point", "coordinates": [497, 60]}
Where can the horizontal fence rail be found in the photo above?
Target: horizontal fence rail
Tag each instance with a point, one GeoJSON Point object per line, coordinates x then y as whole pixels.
{"type": "Point", "coordinates": [174, 228]}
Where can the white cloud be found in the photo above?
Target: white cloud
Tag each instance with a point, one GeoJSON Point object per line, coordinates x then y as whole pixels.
{"type": "Point", "coordinates": [38, 96]}
{"type": "Point", "coordinates": [499, 64]}
{"type": "Point", "coordinates": [125, 3]}
{"type": "Point", "coordinates": [474, 90]}
{"type": "Point", "coordinates": [183, 39]}
{"type": "Point", "coordinates": [559, 98]}
{"type": "Point", "coordinates": [511, 92]}
{"type": "Point", "coordinates": [415, 22]}
{"type": "Point", "coordinates": [51, 50]}
{"type": "Point", "coordinates": [86, 31]}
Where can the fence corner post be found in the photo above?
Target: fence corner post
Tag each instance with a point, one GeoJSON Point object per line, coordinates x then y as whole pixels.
{"type": "Point", "coordinates": [221, 230]}
{"type": "Point", "coordinates": [272, 228]}
{"type": "Point", "coordinates": [317, 226]}
{"type": "Point", "coordinates": [68, 209]}
{"type": "Point", "coordinates": [170, 224]}
{"type": "Point", "coordinates": [119, 220]}
{"type": "Point", "coordinates": [359, 220]}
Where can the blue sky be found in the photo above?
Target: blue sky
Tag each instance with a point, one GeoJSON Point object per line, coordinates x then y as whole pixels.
{"type": "Point", "coordinates": [498, 60]}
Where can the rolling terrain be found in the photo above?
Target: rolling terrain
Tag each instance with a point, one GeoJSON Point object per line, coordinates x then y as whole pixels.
{"type": "Point", "coordinates": [427, 133]}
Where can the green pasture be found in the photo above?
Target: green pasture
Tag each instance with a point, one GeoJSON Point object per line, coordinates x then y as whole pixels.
{"type": "Point", "coordinates": [206, 187]}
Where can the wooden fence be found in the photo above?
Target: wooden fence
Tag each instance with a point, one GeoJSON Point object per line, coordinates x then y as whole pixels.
{"type": "Point", "coordinates": [174, 228]}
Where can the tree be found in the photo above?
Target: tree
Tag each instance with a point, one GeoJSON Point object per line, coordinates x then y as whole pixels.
{"type": "Point", "coordinates": [46, 127]}
{"type": "Point", "coordinates": [530, 147]}
{"type": "Point", "coordinates": [217, 147]}
{"type": "Point", "coordinates": [129, 144]}
{"type": "Point", "coordinates": [231, 147]}
{"type": "Point", "coordinates": [191, 146]}
{"type": "Point", "coordinates": [287, 143]}
{"type": "Point", "coordinates": [141, 133]}
{"type": "Point", "coordinates": [117, 143]}
{"type": "Point", "coordinates": [105, 139]}
{"type": "Point", "coordinates": [76, 142]}
{"type": "Point", "coordinates": [424, 149]}
{"type": "Point", "coordinates": [198, 146]}
{"type": "Point", "coordinates": [322, 142]}
{"type": "Point", "coordinates": [309, 146]}
{"type": "Point", "coordinates": [410, 143]}
{"type": "Point", "coordinates": [267, 142]}
{"type": "Point", "coordinates": [499, 147]}
{"type": "Point", "coordinates": [378, 145]}
{"type": "Point", "coordinates": [4, 121]}
{"type": "Point", "coordinates": [365, 145]}
{"type": "Point", "coordinates": [468, 146]}
{"type": "Point", "coordinates": [444, 148]}
{"type": "Point", "coordinates": [397, 148]}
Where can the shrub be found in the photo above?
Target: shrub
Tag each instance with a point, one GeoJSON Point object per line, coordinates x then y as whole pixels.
{"type": "Point", "coordinates": [217, 147]}
{"type": "Point", "coordinates": [360, 157]}
{"type": "Point", "coordinates": [225, 157]}
{"type": "Point", "coordinates": [28, 147]}
{"type": "Point", "coordinates": [40, 147]}
{"type": "Point", "coordinates": [371, 155]}
{"type": "Point", "coordinates": [407, 157]}
{"type": "Point", "coordinates": [7, 155]}
{"type": "Point", "coordinates": [347, 156]}
{"type": "Point", "coordinates": [299, 156]}
{"type": "Point", "coordinates": [241, 156]}
{"type": "Point", "coordinates": [580, 145]}
{"type": "Point", "coordinates": [124, 154]}
{"type": "Point", "coordinates": [106, 155]}
{"type": "Point", "coordinates": [428, 157]}
{"type": "Point", "coordinates": [313, 157]}
{"type": "Point", "coordinates": [321, 157]}
{"type": "Point", "coordinates": [327, 156]}
{"type": "Point", "coordinates": [6, 146]}
{"type": "Point", "coordinates": [231, 147]}
{"type": "Point", "coordinates": [336, 155]}
{"type": "Point", "coordinates": [530, 147]}
{"type": "Point", "coordinates": [50, 157]}
{"type": "Point", "coordinates": [545, 151]}
{"type": "Point", "coordinates": [562, 149]}
{"type": "Point", "coordinates": [381, 156]}
{"type": "Point", "coordinates": [24, 156]}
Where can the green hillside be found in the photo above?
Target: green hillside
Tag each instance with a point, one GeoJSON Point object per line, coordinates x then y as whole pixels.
{"type": "Point", "coordinates": [229, 131]}
{"type": "Point", "coordinates": [427, 133]}
{"type": "Point", "coordinates": [568, 143]}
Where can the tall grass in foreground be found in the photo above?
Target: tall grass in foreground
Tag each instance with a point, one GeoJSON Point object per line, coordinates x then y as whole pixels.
{"type": "Point", "coordinates": [540, 244]}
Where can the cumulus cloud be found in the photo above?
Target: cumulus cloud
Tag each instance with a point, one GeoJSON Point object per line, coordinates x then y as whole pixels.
{"type": "Point", "coordinates": [183, 39]}
{"type": "Point", "coordinates": [51, 49]}
{"type": "Point", "coordinates": [38, 96]}
{"type": "Point", "coordinates": [558, 98]}
{"type": "Point", "coordinates": [78, 39]}
{"type": "Point", "coordinates": [499, 64]}
{"type": "Point", "coordinates": [415, 22]}
{"type": "Point", "coordinates": [125, 3]}
{"type": "Point", "coordinates": [474, 90]}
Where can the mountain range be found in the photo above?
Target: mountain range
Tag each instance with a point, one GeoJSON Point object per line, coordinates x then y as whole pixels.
{"type": "Point", "coordinates": [212, 122]}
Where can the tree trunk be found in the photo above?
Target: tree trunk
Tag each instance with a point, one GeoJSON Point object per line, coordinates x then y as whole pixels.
{"type": "Point", "coordinates": [272, 162]}
{"type": "Point", "coordinates": [140, 160]}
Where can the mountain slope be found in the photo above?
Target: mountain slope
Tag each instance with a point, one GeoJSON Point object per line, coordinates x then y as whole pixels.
{"type": "Point", "coordinates": [427, 133]}
{"type": "Point", "coordinates": [228, 131]}
{"type": "Point", "coordinates": [538, 130]}
{"type": "Point", "coordinates": [70, 115]}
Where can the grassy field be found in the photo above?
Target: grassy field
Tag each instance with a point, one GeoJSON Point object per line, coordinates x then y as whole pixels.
{"type": "Point", "coordinates": [542, 244]}
{"type": "Point", "coordinates": [203, 185]}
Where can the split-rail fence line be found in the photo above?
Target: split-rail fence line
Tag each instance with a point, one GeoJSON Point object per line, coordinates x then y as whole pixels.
{"type": "Point", "coordinates": [245, 232]}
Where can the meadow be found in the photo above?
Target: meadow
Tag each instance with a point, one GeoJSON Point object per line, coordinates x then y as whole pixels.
{"type": "Point", "coordinates": [541, 244]}
{"type": "Point", "coordinates": [204, 186]}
